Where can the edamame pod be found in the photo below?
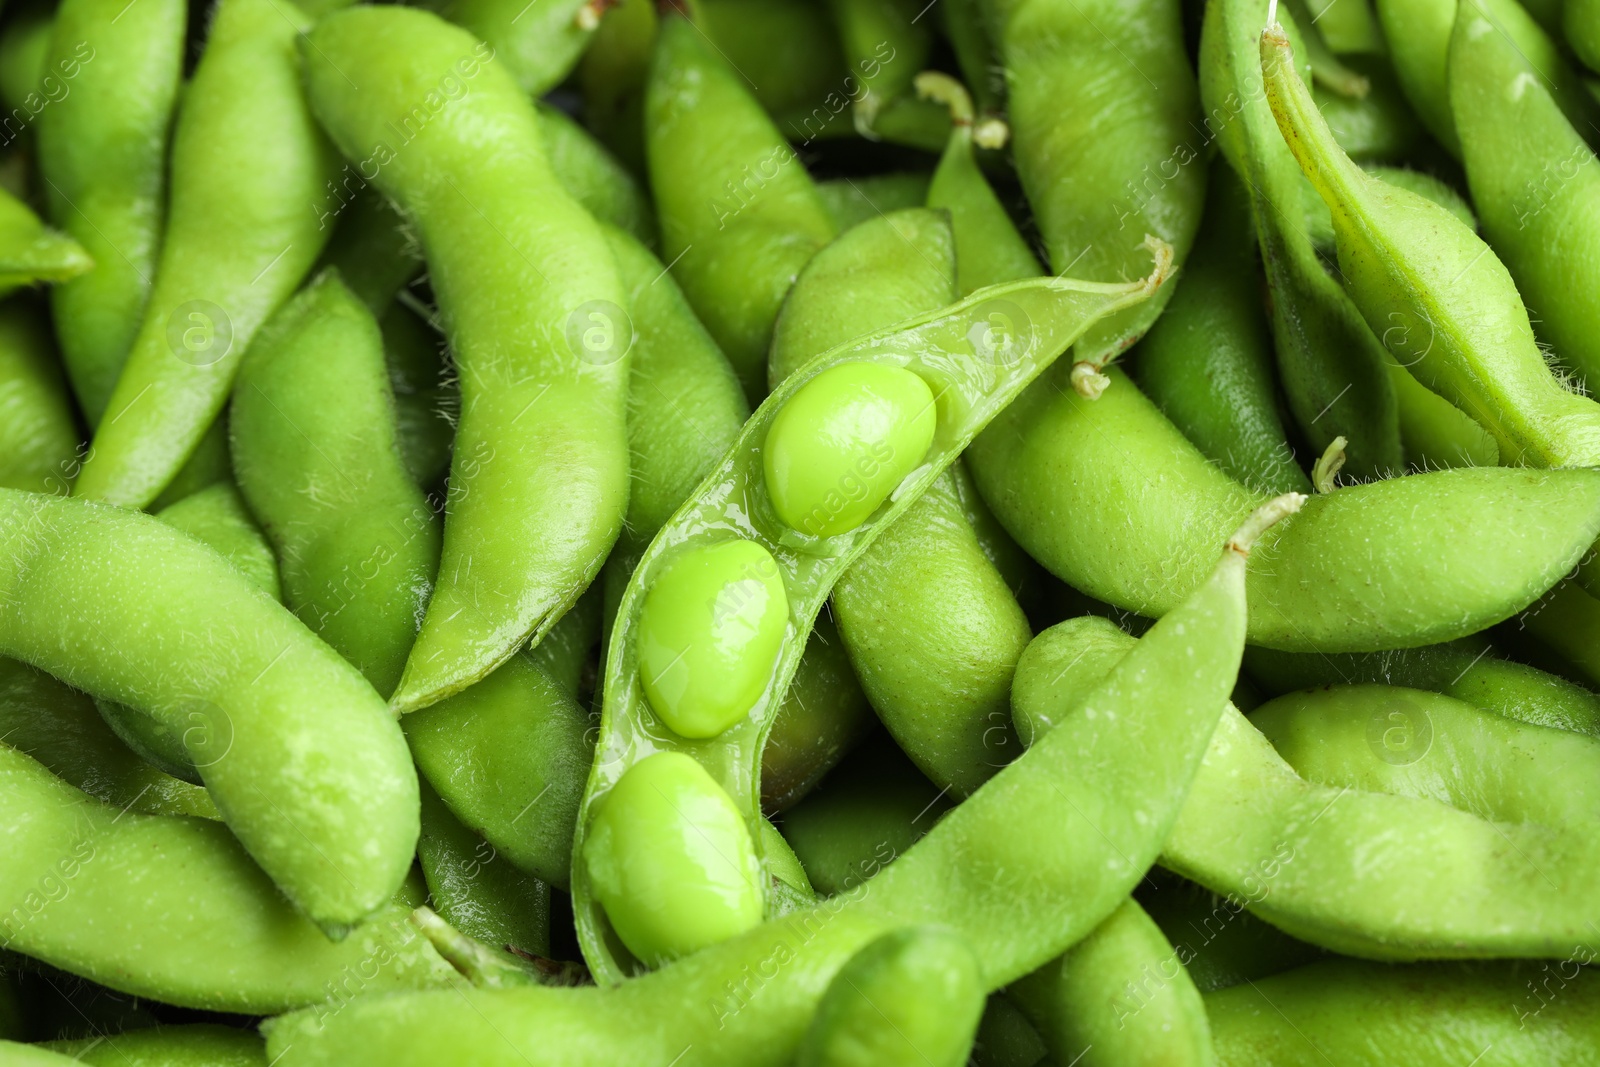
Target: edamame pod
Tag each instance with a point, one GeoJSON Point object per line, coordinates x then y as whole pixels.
{"type": "Point", "coordinates": [912, 997]}
{"type": "Point", "coordinates": [306, 765]}
{"type": "Point", "coordinates": [1567, 621]}
{"type": "Point", "coordinates": [1378, 125]}
{"type": "Point", "coordinates": [205, 928]}
{"type": "Point", "coordinates": [1339, 578]}
{"type": "Point", "coordinates": [243, 225]}
{"type": "Point", "coordinates": [1103, 105]}
{"type": "Point", "coordinates": [989, 250]}
{"type": "Point", "coordinates": [1536, 183]}
{"type": "Point", "coordinates": [1122, 992]}
{"type": "Point", "coordinates": [1468, 670]}
{"type": "Point", "coordinates": [1580, 23]}
{"type": "Point", "coordinates": [973, 380]}
{"type": "Point", "coordinates": [1105, 784]}
{"type": "Point", "coordinates": [371, 248]}
{"type": "Point", "coordinates": [477, 892]}
{"type": "Point", "coordinates": [931, 627]}
{"type": "Point", "coordinates": [357, 542]}
{"type": "Point", "coordinates": [1332, 368]}
{"type": "Point", "coordinates": [1207, 362]}
{"type": "Point", "coordinates": [1219, 942]}
{"type": "Point", "coordinates": [885, 42]}
{"type": "Point", "coordinates": [532, 306]}
{"type": "Point", "coordinates": [60, 728]}
{"type": "Point", "coordinates": [217, 516]}
{"type": "Point", "coordinates": [537, 44]}
{"type": "Point", "coordinates": [823, 714]}
{"type": "Point", "coordinates": [851, 201]}
{"type": "Point", "coordinates": [32, 252]}
{"type": "Point", "coordinates": [102, 153]}
{"type": "Point", "coordinates": [791, 51]}
{"type": "Point", "coordinates": [594, 177]}
{"type": "Point", "coordinates": [1350, 1012]}
{"type": "Point", "coordinates": [191, 1045]}
{"type": "Point", "coordinates": [38, 435]}
{"type": "Point", "coordinates": [739, 215]}
{"type": "Point", "coordinates": [425, 398]}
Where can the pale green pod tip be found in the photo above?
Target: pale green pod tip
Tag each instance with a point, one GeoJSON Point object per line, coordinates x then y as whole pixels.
{"type": "Point", "coordinates": [672, 861]}
{"type": "Point", "coordinates": [843, 443]}
{"type": "Point", "coordinates": [710, 632]}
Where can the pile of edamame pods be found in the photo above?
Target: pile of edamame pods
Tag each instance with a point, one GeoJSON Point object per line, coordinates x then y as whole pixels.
{"type": "Point", "coordinates": [800, 532]}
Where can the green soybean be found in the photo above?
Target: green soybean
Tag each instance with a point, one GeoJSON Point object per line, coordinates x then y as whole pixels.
{"type": "Point", "coordinates": [1142, 503]}
{"type": "Point", "coordinates": [1121, 996]}
{"type": "Point", "coordinates": [38, 435]}
{"type": "Point", "coordinates": [910, 997]}
{"type": "Point", "coordinates": [1207, 362]}
{"type": "Point", "coordinates": [671, 861]}
{"type": "Point", "coordinates": [739, 215]}
{"type": "Point", "coordinates": [102, 152]}
{"type": "Point", "coordinates": [248, 175]}
{"type": "Point", "coordinates": [357, 542]}
{"type": "Point", "coordinates": [281, 729]}
{"type": "Point", "coordinates": [204, 929]}
{"type": "Point", "coordinates": [1122, 166]}
{"type": "Point", "coordinates": [531, 302]}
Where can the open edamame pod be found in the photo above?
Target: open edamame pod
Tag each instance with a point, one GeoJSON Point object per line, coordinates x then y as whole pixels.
{"type": "Point", "coordinates": [1536, 183]}
{"type": "Point", "coordinates": [305, 763]}
{"type": "Point", "coordinates": [1207, 362]}
{"type": "Point", "coordinates": [103, 153]}
{"type": "Point", "coordinates": [250, 177]}
{"type": "Point", "coordinates": [1357, 1013]}
{"type": "Point", "coordinates": [753, 554]}
{"type": "Point", "coordinates": [1391, 564]}
{"type": "Point", "coordinates": [533, 308]}
{"type": "Point", "coordinates": [203, 927]}
{"type": "Point", "coordinates": [1122, 992]}
{"type": "Point", "coordinates": [1103, 107]}
{"type": "Point", "coordinates": [316, 455]}
{"type": "Point", "coordinates": [1332, 368]}
{"type": "Point", "coordinates": [38, 434]}
{"type": "Point", "coordinates": [1364, 873]}
{"type": "Point", "coordinates": [1104, 785]}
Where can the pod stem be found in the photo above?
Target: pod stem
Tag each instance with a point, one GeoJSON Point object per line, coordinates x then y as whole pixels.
{"type": "Point", "coordinates": [1087, 379]}
{"type": "Point", "coordinates": [1325, 471]}
{"type": "Point", "coordinates": [990, 131]}
{"type": "Point", "coordinates": [1263, 519]}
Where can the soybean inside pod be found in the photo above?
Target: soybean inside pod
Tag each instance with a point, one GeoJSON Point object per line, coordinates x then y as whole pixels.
{"type": "Point", "coordinates": [730, 587]}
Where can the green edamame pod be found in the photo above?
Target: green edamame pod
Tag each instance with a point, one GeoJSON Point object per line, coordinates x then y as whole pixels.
{"type": "Point", "coordinates": [1103, 106]}
{"type": "Point", "coordinates": [789, 46]}
{"type": "Point", "coordinates": [1468, 670]}
{"type": "Point", "coordinates": [886, 44]}
{"type": "Point", "coordinates": [1414, 877]}
{"type": "Point", "coordinates": [537, 44]}
{"type": "Point", "coordinates": [594, 177]}
{"type": "Point", "coordinates": [102, 152]}
{"type": "Point", "coordinates": [1447, 307]}
{"type": "Point", "coordinates": [20, 1055]}
{"type": "Point", "coordinates": [1379, 124]}
{"type": "Point", "coordinates": [24, 53]}
{"type": "Point", "coordinates": [1350, 1012]}
{"type": "Point", "coordinates": [217, 516]}
{"type": "Point", "coordinates": [374, 253]}
{"type": "Point", "coordinates": [1334, 372]}
{"type": "Point", "coordinates": [1418, 34]}
{"type": "Point", "coordinates": [1053, 461]}
{"type": "Point", "coordinates": [1207, 362]}
{"type": "Point", "coordinates": [38, 435]}
{"type": "Point", "coordinates": [1005, 1037]}
{"type": "Point", "coordinates": [193, 1045]}
{"type": "Point", "coordinates": [1409, 742]}
{"type": "Point", "coordinates": [851, 201]}
{"type": "Point", "coordinates": [206, 929]}
{"type": "Point", "coordinates": [1580, 24]}
{"type": "Point", "coordinates": [424, 397]}
{"type": "Point", "coordinates": [1018, 897]}
{"type": "Point", "coordinates": [243, 225]}
{"type": "Point", "coordinates": [869, 811]}
{"type": "Point", "coordinates": [989, 250]}
{"type": "Point", "coordinates": [491, 901]}
{"type": "Point", "coordinates": [508, 756]}
{"type": "Point", "coordinates": [739, 215]}
{"type": "Point", "coordinates": [1536, 183]}
{"type": "Point", "coordinates": [967, 31]}
{"type": "Point", "coordinates": [1219, 942]}
{"type": "Point", "coordinates": [32, 252]}
{"type": "Point", "coordinates": [611, 75]}
{"type": "Point", "coordinates": [823, 714]}
{"type": "Point", "coordinates": [567, 653]}
{"type": "Point", "coordinates": [532, 306]}
{"type": "Point", "coordinates": [1567, 621]}
{"type": "Point", "coordinates": [284, 733]}
{"type": "Point", "coordinates": [931, 627]}
{"type": "Point", "coordinates": [749, 666]}
{"type": "Point", "coordinates": [1122, 992]}
{"type": "Point", "coordinates": [61, 729]}
{"type": "Point", "coordinates": [315, 452]}
{"type": "Point", "coordinates": [912, 997]}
